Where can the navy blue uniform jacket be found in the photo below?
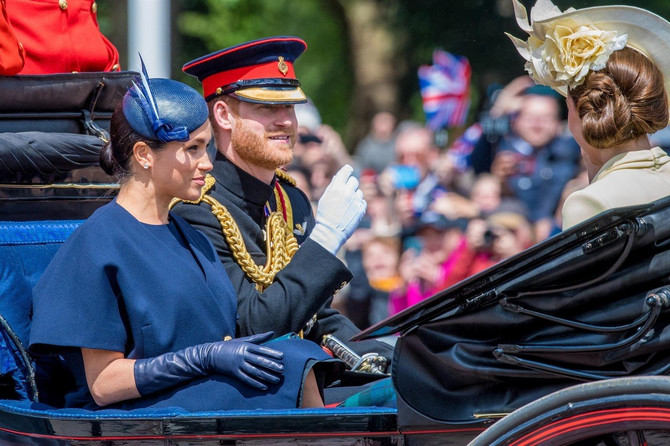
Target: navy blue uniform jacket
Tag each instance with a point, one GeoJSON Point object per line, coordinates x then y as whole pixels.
{"type": "Point", "coordinates": [303, 288]}
{"type": "Point", "coordinates": [121, 285]}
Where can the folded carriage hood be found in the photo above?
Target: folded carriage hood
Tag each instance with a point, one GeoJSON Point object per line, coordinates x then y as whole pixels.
{"type": "Point", "coordinates": [590, 303]}
{"type": "Point", "coordinates": [563, 248]}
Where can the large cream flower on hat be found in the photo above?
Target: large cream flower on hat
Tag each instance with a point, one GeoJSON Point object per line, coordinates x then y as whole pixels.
{"type": "Point", "coordinates": [559, 53]}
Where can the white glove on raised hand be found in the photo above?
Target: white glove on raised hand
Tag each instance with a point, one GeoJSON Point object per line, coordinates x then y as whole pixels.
{"type": "Point", "coordinates": [340, 210]}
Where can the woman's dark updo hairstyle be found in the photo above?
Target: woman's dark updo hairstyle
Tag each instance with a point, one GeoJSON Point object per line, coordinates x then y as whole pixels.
{"type": "Point", "coordinates": [623, 101]}
{"type": "Point", "coordinates": [115, 156]}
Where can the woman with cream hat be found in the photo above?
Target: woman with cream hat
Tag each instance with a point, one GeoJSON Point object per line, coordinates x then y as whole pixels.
{"type": "Point", "coordinates": [612, 65]}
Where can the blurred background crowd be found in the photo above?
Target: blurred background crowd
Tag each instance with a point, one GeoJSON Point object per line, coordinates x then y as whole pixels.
{"type": "Point", "coordinates": [439, 214]}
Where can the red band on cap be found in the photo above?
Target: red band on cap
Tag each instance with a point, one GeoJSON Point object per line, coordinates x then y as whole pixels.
{"type": "Point", "coordinates": [262, 71]}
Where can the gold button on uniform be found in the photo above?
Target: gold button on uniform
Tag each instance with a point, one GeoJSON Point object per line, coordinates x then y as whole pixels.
{"type": "Point", "coordinates": [342, 285]}
{"type": "Point", "coordinates": [115, 67]}
{"type": "Point", "coordinates": [94, 7]}
{"type": "Point", "coordinates": [62, 4]}
{"type": "Point", "coordinates": [227, 338]}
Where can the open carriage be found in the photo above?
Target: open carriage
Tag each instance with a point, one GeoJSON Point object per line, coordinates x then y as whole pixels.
{"type": "Point", "coordinates": [590, 304]}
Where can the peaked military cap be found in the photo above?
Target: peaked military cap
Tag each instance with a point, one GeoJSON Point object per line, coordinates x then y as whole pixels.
{"type": "Point", "coordinates": [260, 71]}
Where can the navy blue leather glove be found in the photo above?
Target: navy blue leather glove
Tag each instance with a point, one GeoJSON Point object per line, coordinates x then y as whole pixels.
{"type": "Point", "coordinates": [241, 358]}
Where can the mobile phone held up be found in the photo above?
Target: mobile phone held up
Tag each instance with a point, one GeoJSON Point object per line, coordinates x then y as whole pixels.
{"type": "Point", "coordinates": [405, 176]}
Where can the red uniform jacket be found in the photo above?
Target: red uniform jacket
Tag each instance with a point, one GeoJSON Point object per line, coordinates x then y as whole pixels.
{"type": "Point", "coordinates": [61, 36]}
{"type": "Point", "coordinates": [11, 52]}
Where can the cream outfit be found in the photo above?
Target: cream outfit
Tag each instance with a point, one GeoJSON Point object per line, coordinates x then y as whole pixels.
{"type": "Point", "coordinates": [627, 179]}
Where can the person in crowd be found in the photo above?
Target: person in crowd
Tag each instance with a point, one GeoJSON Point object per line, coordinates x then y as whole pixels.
{"type": "Point", "coordinates": [320, 164]}
{"type": "Point", "coordinates": [486, 193]}
{"type": "Point", "coordinates": [331, 144]}
{"type": "Point", "coordinates": [428, 259]}
{"type": "Point", "coordinates": [307, 149]}
{"type": "Point", "coordinates": [533, 160]}
{"type": "Point", "coordinates": [616, 96]}
{"type": "Point", "coordinates": [450, 198]}
{"type": "Point", "coordinates": [115, 296]}
{"type": "Point", "coordinates": [308, 117]}
{"type": "Point", "coordinates": [302, 177]}
{"type": "Point", "coordinates": [377, 149]}
{"type": "Point", "coordinates": [380, 213]}
{"type": "Point", "coordinates": [410, 181]}
{"type": "Point", "coordinates": [490, 238]}
{"type": "Point", "coordinates": [487, 197]}
{"type": "Point", "coordinates": [369, 304]}
{"type": "Point", "coordinates": [282, 261]}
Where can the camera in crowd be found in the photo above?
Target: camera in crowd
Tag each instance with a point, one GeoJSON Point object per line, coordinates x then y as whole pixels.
{"type": "Point", "coordinates": [489, 237]}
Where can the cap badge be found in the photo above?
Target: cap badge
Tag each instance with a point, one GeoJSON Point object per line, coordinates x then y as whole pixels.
{"type": "Point", "coordinates": [282, 66]}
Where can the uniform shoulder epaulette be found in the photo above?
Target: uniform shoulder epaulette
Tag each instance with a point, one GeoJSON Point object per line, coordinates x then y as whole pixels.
{"type": "Point", "coordinates": [283, 176]}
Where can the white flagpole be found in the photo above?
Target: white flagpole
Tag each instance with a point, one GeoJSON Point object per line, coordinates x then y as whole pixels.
{"type": "Point", "coordinates": [149, 34]}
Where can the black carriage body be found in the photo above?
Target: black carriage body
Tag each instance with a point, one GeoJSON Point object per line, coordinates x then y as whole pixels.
{"type": "Point", "coordinates": [46, 198]}
{"type": "Point", "coordinates": [74, 103]}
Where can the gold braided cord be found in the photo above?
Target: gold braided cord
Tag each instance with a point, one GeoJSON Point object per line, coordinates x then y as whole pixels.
{"type": "Point", "coordinates": [280, 208]}
{"type": "Point", "coordinates": [288, 212]}
{"type": "Point", "coordinates": [283, 175]}
{"type": "Point", "coordinates": [281, 244]}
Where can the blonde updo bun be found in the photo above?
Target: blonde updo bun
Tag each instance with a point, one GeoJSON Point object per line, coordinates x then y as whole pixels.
{"type": "Point", "coordinates": [623, 101]}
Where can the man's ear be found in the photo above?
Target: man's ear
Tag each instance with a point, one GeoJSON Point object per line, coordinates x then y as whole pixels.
{"type": "Point", "coordinates": [222, 115]}
{"type": "Point", "coordinates": [143, 155]}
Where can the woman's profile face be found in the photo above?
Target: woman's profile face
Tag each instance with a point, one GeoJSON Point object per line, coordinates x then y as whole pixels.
{"type": "Point", "coordinates": [179, 169]}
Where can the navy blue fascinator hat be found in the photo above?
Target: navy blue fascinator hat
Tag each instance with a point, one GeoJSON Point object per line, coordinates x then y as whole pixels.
{"type": "Point", "coordinates": [163, 109]}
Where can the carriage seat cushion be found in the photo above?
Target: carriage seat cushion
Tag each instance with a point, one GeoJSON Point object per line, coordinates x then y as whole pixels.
{"type": "Point", "coordinates": [26, 248]}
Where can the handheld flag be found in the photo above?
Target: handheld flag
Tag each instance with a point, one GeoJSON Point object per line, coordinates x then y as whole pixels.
{"type": "Point", "coordinates": [445, 90]}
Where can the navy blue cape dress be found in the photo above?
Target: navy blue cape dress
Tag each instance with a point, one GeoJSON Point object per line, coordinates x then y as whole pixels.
{"type": "Point", "coordinates": [121, 285]}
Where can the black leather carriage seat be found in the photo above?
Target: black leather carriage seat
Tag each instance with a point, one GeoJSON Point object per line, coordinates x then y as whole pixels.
{"type": "Point", "coordinates": [26, 248]}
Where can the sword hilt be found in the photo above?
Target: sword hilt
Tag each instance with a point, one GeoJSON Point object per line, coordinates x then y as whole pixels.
{"type": "Point", "coordinates": [370, 362]}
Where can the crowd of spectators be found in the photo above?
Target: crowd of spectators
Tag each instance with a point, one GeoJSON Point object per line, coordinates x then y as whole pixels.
{"type": "Point", "coordinates": [438, 215]}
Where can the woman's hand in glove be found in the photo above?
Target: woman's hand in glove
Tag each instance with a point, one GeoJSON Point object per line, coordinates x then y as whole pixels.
{"type": "Point", "coordinates": [242, 358]}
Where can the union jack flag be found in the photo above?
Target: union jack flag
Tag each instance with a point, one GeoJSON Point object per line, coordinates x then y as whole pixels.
{"type": "Point", "coordinates": [445, 90]}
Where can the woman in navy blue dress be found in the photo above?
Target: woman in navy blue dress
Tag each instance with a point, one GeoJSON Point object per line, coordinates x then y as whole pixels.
{"type": "Point", "coordinates": [137, 300]}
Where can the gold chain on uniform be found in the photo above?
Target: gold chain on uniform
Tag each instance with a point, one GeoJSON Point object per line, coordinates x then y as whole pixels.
{"type": "Point", "coordinates": [281, 244]}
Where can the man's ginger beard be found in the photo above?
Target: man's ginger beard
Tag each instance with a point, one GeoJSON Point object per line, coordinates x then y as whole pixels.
{"type": "Point", "coordinates": [255, 149]}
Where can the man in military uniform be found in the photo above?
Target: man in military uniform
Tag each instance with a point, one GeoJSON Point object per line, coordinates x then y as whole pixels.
{"type": "Point", "coordinates": [280, 258]}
